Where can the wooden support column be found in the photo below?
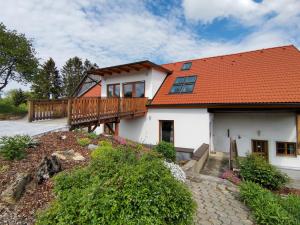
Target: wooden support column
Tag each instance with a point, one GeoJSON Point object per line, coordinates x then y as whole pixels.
{"type": "Point", "coordinates": [30, 110]}
{"type": "Point", "coordinates": [69, 111]}
{"type": "Point", "coordinates": [117, 128]}
{"type": "Point", "coordinates": [298, 132]}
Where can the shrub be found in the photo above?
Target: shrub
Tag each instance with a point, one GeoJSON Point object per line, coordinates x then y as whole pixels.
{"type": "Point", "coordinates": [258, 170]}
{"type": "Point", "coordinates": [265, 206]}
{"type": "Point", "coordinates": [104, 143]}
{"type": "Point", "coordinates": [167, 150]}
{"type": "Point", "coordinates": [291, 203]}
{"type": "Point", "coordinates": [120, 188]}
{"type": "Point", "coordinates": [14, 147]}
{"type": "Point", "coordinates": [83, 141]}
{"type": "Point", "coordinates": [92, 135]}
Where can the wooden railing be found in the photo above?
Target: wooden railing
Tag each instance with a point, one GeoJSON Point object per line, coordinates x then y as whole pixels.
{"type": "Point", "coordinates": [93, 109]}
{"type": "Point", "coordinates": [47, 109]}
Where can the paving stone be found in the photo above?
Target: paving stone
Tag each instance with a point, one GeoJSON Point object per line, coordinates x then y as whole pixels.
{"type": "Point", "coordinates": [218, 203]}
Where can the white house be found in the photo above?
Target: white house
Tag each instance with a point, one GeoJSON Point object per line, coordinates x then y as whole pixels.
{"type": "Point", "coordinates": [253, 97]}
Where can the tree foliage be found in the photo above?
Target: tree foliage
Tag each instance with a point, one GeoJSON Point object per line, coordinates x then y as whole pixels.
{"type": "Point", "coordinates": [17, 57]}
{"type": "Point", "coordinates": [48, 81]}
{"type": "Point", "coordinates": [73, 72]}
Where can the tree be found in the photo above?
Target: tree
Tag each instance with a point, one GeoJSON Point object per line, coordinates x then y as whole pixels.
{"type": "Point", "coordinates": [48, 81]}
{"type": "Point", "coordinates": [18, 97]}
{"type": "Point", "coordinates": [17, 58]}
{"type": "Point", "coordinates": [73, 72]}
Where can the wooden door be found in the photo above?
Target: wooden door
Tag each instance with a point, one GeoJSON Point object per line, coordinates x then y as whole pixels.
{"type": "Point", "coordinates": [260, 147]}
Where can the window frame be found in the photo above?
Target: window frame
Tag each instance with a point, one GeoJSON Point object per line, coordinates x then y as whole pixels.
{"type": "Point", "coordinates": [114, 90]}
{"type": "Point", "coordinates": [285, 154]}
{"type": "Point", "coordinates": [182, 84]}
{"type": "Point", "coordinates": [160, 130]}
{"type": "Point", "coordinates": [134, 88]}
{"type": "Point", "coordinates": [182, 67]}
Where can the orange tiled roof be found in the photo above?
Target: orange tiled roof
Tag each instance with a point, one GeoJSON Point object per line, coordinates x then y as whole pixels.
{"type": "Point", "coordinates": [262, 76]}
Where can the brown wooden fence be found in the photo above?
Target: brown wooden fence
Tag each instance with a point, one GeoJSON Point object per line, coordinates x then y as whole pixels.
{"type": "Point", "coordinates": [47, 109]}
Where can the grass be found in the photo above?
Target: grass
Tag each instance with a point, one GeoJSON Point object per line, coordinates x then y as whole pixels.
{"type": "Point", "coordinates": [7, 109]}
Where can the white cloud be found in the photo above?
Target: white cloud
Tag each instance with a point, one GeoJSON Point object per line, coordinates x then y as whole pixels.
{"type": "Point", "coordinates": [113, 32]}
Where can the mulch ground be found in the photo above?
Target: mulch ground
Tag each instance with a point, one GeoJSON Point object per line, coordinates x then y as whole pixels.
{"type": "Point", "coordinates": [37, 197]}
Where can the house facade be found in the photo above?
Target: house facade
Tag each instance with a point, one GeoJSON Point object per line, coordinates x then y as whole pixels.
{"type": "Point", "coordinates": [252, 97]}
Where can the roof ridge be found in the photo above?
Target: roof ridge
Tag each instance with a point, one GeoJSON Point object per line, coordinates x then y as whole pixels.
{"type": "Point", "coordinates": [231, 54]}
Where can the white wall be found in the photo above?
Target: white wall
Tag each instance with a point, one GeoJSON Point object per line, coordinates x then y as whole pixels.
{"type": "Point", "coordinates": [191, 127]}
{"type": "Point", "coordinates": [244, 127]}
{"type": "Point", "coordinates": [153, 79]}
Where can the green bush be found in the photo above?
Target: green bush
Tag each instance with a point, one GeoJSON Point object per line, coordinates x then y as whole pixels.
{"type": "Point", "coordinates": [83, 141]}
{"type": "Point", "coordinates": [14, 147]}
{"type": "Point", "coordinates": [266, 207]}
{"type": "Point", "coordinates": [291, 203]}
{"type": "Point", "coordinates": [92, 135]}
{"type": "Point", "coordinates": [104, 143]}
{"type": "Point", "coordinates": [258, 170]}
{"type": "Point", "coordinates": [119, 187]}
{"type": "Point", "coordinates": [167, 150]}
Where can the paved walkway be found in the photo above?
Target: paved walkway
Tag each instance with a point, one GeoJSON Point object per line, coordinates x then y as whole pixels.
{"type": "Point", "coordinates": [218, 202]}
{"type": "Point", "coordinates": [22, 126]}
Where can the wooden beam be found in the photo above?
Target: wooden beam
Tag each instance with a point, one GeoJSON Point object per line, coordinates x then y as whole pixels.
{"type": "Point", "coordinates": [117, 129]}
{"type": "Point", "coordinates": [30, 111]}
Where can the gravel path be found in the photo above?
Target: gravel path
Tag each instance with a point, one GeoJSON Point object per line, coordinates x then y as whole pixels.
{"type": "Point", "coordinates": [218, 202]}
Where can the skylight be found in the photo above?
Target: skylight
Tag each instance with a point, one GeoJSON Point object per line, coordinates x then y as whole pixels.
{"type": "Point", "coordinates": [186, 66]}
{"type": "Point", "coordinates": [183, 85]}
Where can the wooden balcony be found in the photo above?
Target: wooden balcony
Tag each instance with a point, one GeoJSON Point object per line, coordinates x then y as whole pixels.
{"type": "Point", "coordinates": [94, 111]}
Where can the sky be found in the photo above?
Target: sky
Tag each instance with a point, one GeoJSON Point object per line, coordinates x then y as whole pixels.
{"type": "Point", "coordinates": [111, 32]}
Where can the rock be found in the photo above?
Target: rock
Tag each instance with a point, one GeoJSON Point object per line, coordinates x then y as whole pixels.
{"type": "Point", "coordinates": [176, 171]}
{"type": "Point", "coordinates": [69, 155]}
{"type": "Point", "coordinates": [47, 168]}
{"type": "Point", "coordinates": [92, 146]}
{"type": "Point", "coordinates": [14, 191]}
{"type": "Point", "coordinates": [63, 137]}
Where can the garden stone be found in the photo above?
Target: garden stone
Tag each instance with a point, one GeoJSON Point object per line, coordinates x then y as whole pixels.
{"type": "Point", "coordinates": [14, 191]}
{"type": "Point", "coordinates": [92, 146]}
{"type": "Point", "coordinates": [68, 155]}
{"type": "Point", "coordinates": [47, 168]}
{"type": "Point", "coordinates": [63, 137]}
{"type": "Point", "coordinates": [176, 171]}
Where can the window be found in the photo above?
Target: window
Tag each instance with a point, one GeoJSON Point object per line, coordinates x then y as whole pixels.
{"type": "Point", "coordinates": [286, 148]}
{"type": "Point", "coordinates": [186, 66]}
{"type": "Point", "coordinates": [183, 85]}
{"type": "Point", "coordinates": [260, 147]}
{"type": "Point", "coordinates": [166, 130]}
{"type": "Point", "coordinates": [134, 89]}
{"type": "Point", "coordinates": [113, 90]}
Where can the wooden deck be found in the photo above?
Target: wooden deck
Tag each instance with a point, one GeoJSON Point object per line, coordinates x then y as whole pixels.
{"type": "Point", "coordinates": [85, 112]}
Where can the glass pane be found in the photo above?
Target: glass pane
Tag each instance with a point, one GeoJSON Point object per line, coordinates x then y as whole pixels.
{"type": "Point", "coordinates": [176, 89]}
{"type": "Point", "coordinates": [280, 148]}
{"type": "Point", "coordinates": [291, 148]}
{"type": "Point", "coordinates": [190, 79]}
{"type": "Point", "coordinates": [117, 90]}
{"type": "Point", "coordinates": [186, 66]}
{"type": "Point", "coordinates": [167, 130]}
{"type": "Point", "coordinates": [128, 90]}
{"type": "Point", "coordinates": [187, 88]}
{"type": "Point", "coordinates": [179, 80]}
{"type": "Point", "coordinates": [140, 90]}
{"type": "Point", "coordinates": [110, 90]}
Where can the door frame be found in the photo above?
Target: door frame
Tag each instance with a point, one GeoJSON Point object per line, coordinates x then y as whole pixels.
{"type": "Point", "coordinates": [159, 130]}
{"type": "Point", "coordinates": [266, 145]}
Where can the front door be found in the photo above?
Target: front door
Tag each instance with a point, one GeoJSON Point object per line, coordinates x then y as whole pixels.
{"type": "Point", "coordinates": [260, 147]}
{"type": "Point", "coordinates": [166, 131]}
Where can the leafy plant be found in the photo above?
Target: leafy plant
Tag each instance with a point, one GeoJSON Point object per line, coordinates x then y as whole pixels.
{"type": "Point", "coordinates": [83, 141]}
{"type": "Point", "coordinates": [104, 143]}
{"type": "Point", "coordinates": [92, 135]}
{"type": "Point", "coordinates": [167, 150]}
{"type": "Point", "coordinates": [119, 187]}
{"type": "Point", "coordinates": [14, 147]}
{"type": "Point", "coordinates": [258, 170]}
{"type": "Point", "coordinates": [268, 208]}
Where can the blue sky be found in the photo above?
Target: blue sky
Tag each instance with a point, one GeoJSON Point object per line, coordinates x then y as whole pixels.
{"type": "Point", "coordinates": [111, 32]}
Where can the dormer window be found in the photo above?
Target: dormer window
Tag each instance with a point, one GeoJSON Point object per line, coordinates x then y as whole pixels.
{"type": "Point", "coordinates": [183, 85]}
{"type": "Point", "coordinates": [186, 66]}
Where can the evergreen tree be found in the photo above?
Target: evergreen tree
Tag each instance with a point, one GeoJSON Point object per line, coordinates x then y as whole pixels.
{"type": "Point", "coordinates": [73, 72]}
{"type": "Point", "coordinates": [48, 81]}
